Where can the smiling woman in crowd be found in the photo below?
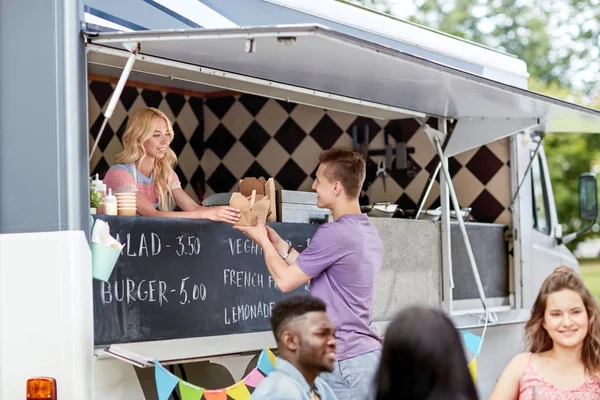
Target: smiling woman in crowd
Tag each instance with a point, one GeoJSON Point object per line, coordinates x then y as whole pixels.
{"type": "Point", "coordinates": [563, 334]}
{"type": "Point", "coordinates": [145, 166]}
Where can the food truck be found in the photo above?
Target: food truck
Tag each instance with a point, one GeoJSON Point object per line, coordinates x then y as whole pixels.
{"type": "Point", "coordinates": [457, 180]}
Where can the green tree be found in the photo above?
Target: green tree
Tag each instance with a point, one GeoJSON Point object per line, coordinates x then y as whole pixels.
{"type": "Point", "coordinates": [568, 155]}
{"type": "Point", "coordinates": [522, 28]}
{"type": "Point", "coordinates": [518, 28]}
{"type": "Point", "coordinates": [583, 38]}
{"type": "Point", "coordinates": [557, 39]}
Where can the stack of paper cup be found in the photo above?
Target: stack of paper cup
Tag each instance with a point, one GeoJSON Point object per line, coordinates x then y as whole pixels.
{"type": "Point", "coordinates": [126, 204]}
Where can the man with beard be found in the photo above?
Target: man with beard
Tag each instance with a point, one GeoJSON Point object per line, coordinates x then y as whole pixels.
{"type": "Point", "coordinates": [304, 336]}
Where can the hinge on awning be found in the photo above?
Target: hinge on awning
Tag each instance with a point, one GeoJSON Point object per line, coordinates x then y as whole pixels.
{"type": "Point", "coordinates": [134, 48]}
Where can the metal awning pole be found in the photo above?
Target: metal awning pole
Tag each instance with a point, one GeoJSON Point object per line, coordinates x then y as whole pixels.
{"type": "Point", "coordinates": [461, 223]}
{"type": "Point", "coordinates": [535, 153]}
{"type": "Point", "coordinates": [116, 94]}
{"type": "Point", "coordinates": [446, 232]}
{"type": "Point", "coordinates": [428, 187]}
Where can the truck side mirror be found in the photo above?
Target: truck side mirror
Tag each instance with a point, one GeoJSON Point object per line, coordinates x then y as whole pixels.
{"type": "Point", "coordinates": [588, 197]}
{"type": "Point", "coordinates": [588, 205]}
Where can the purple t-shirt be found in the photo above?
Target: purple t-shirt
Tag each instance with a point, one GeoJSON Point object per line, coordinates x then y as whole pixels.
{"type": "Point", "coordinates": [343, 260]}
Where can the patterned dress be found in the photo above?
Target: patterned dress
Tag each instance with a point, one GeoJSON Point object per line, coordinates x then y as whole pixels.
{"type": "Point", "coordinates": [533, 386]}
{"type": "Point", "coordinates": [124, 178]}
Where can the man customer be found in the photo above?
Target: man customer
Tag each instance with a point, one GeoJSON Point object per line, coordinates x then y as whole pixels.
{"type": "Point", "coordinates": [306, 345]}
{"type": "Point", "coordinates": [342, 262]}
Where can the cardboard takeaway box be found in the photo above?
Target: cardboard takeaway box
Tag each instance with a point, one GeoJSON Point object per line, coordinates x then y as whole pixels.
{"type": "Point", "coordinates": [255, 197]}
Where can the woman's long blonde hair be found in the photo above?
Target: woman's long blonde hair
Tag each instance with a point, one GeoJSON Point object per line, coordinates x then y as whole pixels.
{"type": "Point", "coordinates": [140, 128]}
{"type": "Point", "coordinates": [538, 338]}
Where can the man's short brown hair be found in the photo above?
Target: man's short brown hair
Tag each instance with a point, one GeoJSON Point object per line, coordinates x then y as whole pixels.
{"type": "Point", "coordinates": [347, 167]}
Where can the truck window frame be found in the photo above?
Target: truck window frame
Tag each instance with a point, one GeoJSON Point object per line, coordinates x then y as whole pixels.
{"type": "Point", "coordinates": [538, 182]}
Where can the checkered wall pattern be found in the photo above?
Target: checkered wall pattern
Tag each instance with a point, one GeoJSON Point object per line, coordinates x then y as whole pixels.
{"type": "Point", "coordinates": [185, 113]}
{"type": "Point", "coordinates": [222, 139]}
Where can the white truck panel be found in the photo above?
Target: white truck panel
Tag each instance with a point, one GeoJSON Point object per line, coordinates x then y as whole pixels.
{"type": "Point", "coordinates": [46, 326]}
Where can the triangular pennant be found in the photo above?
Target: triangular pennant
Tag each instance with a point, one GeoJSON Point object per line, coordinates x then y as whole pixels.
{"type": "Point", "coordinates": [253, 378]}
{"type": "Point", "coordinates": [265, 365]}
{"type": "Point", "coordinates": [473, 369]}
{"type": "Point", "coordinates": [165, 381]}
{"type": "Point", "coordinates": [238, 391]}
{"type": "Point", "coordinates": [189, 391]}
{"type": "Point", "coordinates": [472, 342]}
{"type": "Point", "coordinates": [271, 356]}
{"type": "Point", "coordinates": [220, 394]}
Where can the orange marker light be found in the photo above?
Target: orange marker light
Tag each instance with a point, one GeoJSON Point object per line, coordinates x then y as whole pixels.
{"type": "Point", "coordinates": [41, 389]}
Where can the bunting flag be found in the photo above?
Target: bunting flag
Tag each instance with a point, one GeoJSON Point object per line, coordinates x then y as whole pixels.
{"type": "Point", "coordinates": [253, 378]}
{"type": "Point", "coordinates": [238, 391]}
{"type": "Point", "coordinates": [219, 394]}
{"type": "Point", "coordinates": [166, 382]}
{"type": "Point", "coordinates": [473, 342]}
{"type": "Point", "coordinates": [266, 362]}
{"type": "Point", "coordinates": [271, 356]}
{"type": "Point", "coordinates": [473, 369]}
{"type": "Point", "coordinates": [189, 391]}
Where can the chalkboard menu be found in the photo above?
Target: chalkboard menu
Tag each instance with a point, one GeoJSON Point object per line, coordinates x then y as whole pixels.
{"type": "Point", "coordinates": [180, 278]}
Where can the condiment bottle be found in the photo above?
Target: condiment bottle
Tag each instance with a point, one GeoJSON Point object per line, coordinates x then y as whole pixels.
{"type": "Point", "coordinates": [110, 204]}
{"type": "Point", "coordinates": [100, 186]}
{"type": "Point", "coordinates": [101, 189]}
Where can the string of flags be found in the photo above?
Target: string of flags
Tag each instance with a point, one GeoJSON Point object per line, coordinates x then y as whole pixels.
{"type": "Point", "coordinates": [241, 390]}
{"type": "Point", "coordinates": [474, 344]}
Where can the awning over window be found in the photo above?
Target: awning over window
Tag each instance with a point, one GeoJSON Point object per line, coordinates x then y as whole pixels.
{"type": "Point", "coordinates": [314, 65]}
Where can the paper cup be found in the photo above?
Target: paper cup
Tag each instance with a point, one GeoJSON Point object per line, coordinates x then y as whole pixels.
{"type": "Point", "coordinates": [126, 204]}
{"type": "Point", "coordinates": [129, 212]}
{"type": "Point", "coordinates": [104, 259]}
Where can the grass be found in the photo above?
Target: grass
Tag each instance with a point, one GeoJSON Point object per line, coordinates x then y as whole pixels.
{"type": "Point", "coordinates": [590, 272]}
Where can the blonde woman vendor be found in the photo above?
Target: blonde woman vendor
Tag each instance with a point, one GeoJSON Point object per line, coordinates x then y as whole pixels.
{"type": "Point", "coordinates": [145, 166]}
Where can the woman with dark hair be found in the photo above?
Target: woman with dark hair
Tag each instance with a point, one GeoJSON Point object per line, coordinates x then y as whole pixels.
{"type": "Point", "coordinates": [423, 359]}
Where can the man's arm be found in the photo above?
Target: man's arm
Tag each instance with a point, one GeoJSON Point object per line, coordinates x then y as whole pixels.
{"type": "Point", "coordinates": [292, 256]}
{"type": "Point", "coordinates": [286, 273]}
{"type": "Point", "coordinates": [286, 277]}
{"type": "Point", "coordinates": [287, 252]}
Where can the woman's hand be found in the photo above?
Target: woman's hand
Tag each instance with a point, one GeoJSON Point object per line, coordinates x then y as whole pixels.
{"type": "Point", "coordinates": [222, 214]}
